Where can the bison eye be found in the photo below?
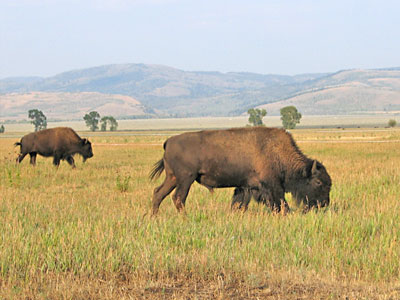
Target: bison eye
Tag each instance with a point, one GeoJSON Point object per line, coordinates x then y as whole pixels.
{"type": "Point", "coordinates": [318, 182]}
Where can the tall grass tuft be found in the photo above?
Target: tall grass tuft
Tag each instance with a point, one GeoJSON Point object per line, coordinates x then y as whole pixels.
{"type": "Point", "coordinates": [122, 182]}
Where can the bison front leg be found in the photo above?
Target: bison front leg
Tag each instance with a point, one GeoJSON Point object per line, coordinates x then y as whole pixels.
{"type": "Point", "coordinates": [33, 158]}
{"type": "Point", "coordinates": [240, 199]}
{"type": "Point", "coordinates": [275, 198]}
{"type": "Point", "coordinates": [56, 160]}
{"type": "Point", "coordinates": [71, 161]}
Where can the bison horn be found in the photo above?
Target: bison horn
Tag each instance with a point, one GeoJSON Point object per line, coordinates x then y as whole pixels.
{"type": "Point", "coordinates": [314, 168]}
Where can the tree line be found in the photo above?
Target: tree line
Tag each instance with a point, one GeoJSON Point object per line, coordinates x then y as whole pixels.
{"type": "Point", "coordinates": [92, 119]}
{"type": "Point", "coordinates": [290, 117]}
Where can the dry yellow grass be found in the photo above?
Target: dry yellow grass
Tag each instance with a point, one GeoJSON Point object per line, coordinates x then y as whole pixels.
{"type": "Point", "coordinates": [86, 233]}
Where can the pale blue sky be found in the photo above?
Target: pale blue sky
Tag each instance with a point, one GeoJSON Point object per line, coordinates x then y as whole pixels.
{"type": "Point", "coordinates": [46, 37]}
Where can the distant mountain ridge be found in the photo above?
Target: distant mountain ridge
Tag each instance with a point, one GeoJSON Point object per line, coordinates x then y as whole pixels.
{"type": "Point", "coordinates": [162, 91]}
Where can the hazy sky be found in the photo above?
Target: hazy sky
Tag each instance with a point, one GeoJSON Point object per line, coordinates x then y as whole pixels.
{"type": "Point", "coordinates": [46, 37]}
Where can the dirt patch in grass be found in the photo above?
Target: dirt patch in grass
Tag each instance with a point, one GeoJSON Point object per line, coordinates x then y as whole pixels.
{"type": "Point", "coordinates": [130, 287]}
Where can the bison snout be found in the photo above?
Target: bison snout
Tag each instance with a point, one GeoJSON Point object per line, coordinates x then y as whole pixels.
{"type": "Point", "coordinates": [87, 156]}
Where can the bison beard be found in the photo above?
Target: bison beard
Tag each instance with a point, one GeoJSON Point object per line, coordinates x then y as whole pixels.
{"type": "Point", "coordinates": [260, 162]}
{"type": "Point", "coordinates": [60, 143]}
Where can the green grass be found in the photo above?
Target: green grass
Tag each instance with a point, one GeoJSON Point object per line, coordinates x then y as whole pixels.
{"type": "Point", "coordinates": [83, 223]}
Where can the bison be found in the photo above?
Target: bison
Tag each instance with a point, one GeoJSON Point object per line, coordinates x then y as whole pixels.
{"type": "Point", "coordinates": [260, 162]}
{"type": "Point", "coordinates": [60, 143]}
{"type": "Point", "coordinates": [242, 196]}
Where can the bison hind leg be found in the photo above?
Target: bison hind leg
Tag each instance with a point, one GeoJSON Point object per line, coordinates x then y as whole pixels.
{"type": "Point", "coordinates": [21, 157]}
{"type": "Point", "coordinates": [181, 192]}
{"type": "Point", "coordinates": [163, 191]}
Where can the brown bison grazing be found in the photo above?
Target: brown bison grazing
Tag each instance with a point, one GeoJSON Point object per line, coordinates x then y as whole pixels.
{"type": "Point", "coordinates": [60, 143]}
{"type": "Point", "coordinates": [260, 162]}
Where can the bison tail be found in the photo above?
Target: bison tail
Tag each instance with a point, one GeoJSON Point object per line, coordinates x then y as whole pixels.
{"type": "Point", "coordinates": [157, 169]}
{"type": "Point", "coordinates": [17, 144]}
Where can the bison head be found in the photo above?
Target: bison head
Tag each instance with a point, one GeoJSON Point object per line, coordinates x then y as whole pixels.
{"type": "Point", "coordinates": [86, 149]}
{"type": "Point", "coordinates": [314, 190]}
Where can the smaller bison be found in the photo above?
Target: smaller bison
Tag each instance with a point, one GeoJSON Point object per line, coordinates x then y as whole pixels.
{"type": "Point", "coordinates": [242, 196]}
{"type": "Point", "coordinates": [60, 143]}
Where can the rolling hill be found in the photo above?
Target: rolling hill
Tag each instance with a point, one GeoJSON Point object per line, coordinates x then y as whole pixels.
{"type": "Point", "coordinates": [68, 106]}
{"type": "Point", "coordinates": [347, 92]}
{"type": "Point", "coordinates": [139, 90]}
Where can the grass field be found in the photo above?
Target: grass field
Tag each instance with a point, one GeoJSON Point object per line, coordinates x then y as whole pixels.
{"type": "Point", "coordinates": [87, 234]}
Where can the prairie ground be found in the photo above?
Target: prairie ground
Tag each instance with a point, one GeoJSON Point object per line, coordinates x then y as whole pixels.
{"type": "Point", "coordinates": [87, 234]}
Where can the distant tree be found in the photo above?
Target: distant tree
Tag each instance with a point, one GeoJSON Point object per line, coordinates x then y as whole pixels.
{"type": "Point", "coordinates": [2, 129]}
{"type": "Point", "coordinates": [103, 123]}
{"type": "Point", "coordinates": [392, 123]}
{"type": "Point", "coordinates": [108, 120]}
{"type": "Point", "coordinates": [92, 120]}
{"type": "Point", "coordinates": [256, 115]}
{"type": "Point", "coordinates": [113, 123]}
{"type": "Point", "coordinates": [39, 120]}
{"type": "Point", "coordinates": [290, 117]}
